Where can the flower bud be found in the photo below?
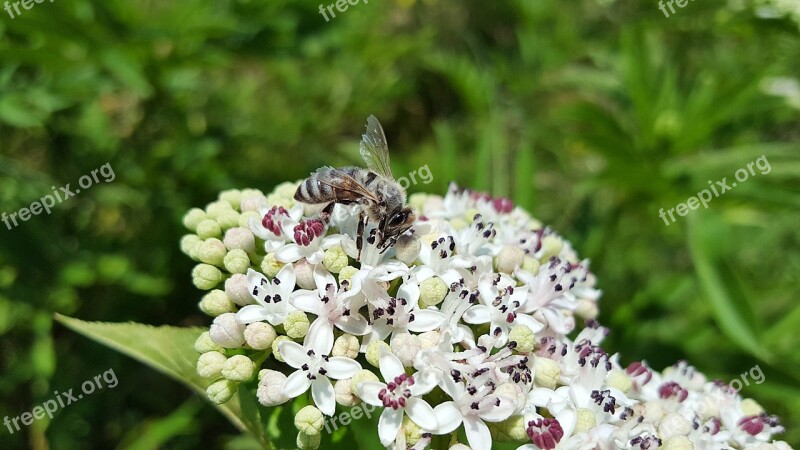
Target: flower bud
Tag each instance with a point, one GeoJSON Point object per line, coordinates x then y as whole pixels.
{"type": "Point", "coordinates": [674, 424]}
{"type": "Point", "coordinates": [296, 324]}
{"type": "Point", "coordinates": [244, 218]}
{"type": "Point", "coordinates": [214, 209]}
{"type": "Point", "coordinates": [208, 228]}
{"type": "Point", "coordinates": [432, 291]}
{"type": "Point", "coordinates": [209, 365]}
{"type": "Point", "coordinates": [547, 372]}
{"type": "Point", "coordinates": [524, 337]}
{"type": "Point", "coordinates": [226, 331]}
{"type": "Point", "coordinates": [511, 430]}
{"type": "Point", "coordinates": [192, 218]}
{"type": "Point", "coordinates": [346, 274]}
{"type": "Point", "coordinates": [412, 430]}
{"type": "Point", "coordinates": [270, 388]}
{"type": "Point", "coordinates": [190, 243]}
{"type": "Point", "coordinates": [407, 248]}
{"type": "Point", "coordinates": [228, 220]}
{"type": "Point", "coordinates": [620, 380]}
{"type": "Point", "coordinates": [238, 368]}
{"type": "Point", "coordinates": [335, 259]}
{"type": "Point", "coordinates": [309, 420]}
{"type": "Point", "coordinates": [406, 346]}
{"type": "Point", "coordinates": [221, 391]}
{"type": "Point", "coordinates": [252, 200]}
{"type": "Point", "coordinates": [551, 246]}
{"type": "Point", "coordinates": [509, 259]}
{"type": "Point", "coordinates": [232, 196]}
{"type": "Point", "coordinates": [585, 420]}
{"type": "Point", "coordinates": [750, 407]}
{"type": "Point", "coordinates": [204, 344]}
{"type": "Point", "coordinates": [275, 353]}
{"type": "Point", "coordinates": [259, 335]}
{"type": "Point", "coordinates": [374, 352]}
{"type": "Point", "coordinates": [346, 345]}
{"type": "Point", "coordinates": [240, 238]}
{"type": "Point", "coordinates": [360, 377]}
{"type": "Point", "coordinates": [215, 303]}
{"type": "Point", "coordinates": [305, 274]}
{"type": "Point", "coordinates": [308, 441]}
{"type": "Point", "coordinates": [677, 443]}
{"type": "Point", "coordinates": [236, 261]}
{"type": "Point", "coordinates": [212, 251]}
{"type": "Point", "coordinates": [271, 266]}
{"type": "Point", "coordinates": [587, 309]}
{"type": "Point", "coordinates": [530, 265]}
{"type": "Point", "coordinates": [429, 339]}
{"type": "Point", "coordinates": [205, 276]}
{"type": "Point", "coordinates": [237, 290]}
{"type": "Point", "coordinates": [344, 393]}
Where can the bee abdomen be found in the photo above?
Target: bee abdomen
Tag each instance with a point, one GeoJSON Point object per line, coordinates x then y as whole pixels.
{"type": "Point", "coordinates": [311, 190]}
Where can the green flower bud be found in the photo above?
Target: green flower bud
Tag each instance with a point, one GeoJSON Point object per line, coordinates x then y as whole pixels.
{"type": "Point", "coordinates": [236, 261]}
{"type": "Point", "coordinates": [510, 430]}
{"type": "Point", "coordinates": [238, 368]}
{"type": "Point", "coordinates": [412, 430]}
{"type": "Point", "coordinates": [374, 352]}
{"type": "Point", "coordinates": [678, 443]}
{"type": "Point", "coordinates": [509, 259]}
{"type": "Point", "coordinates": [275, 343]}
{"type": "Point", "coordinates": [459, 224]}
{"type": "Point", "coordinates": [244, 218]}
{"type": "Point", "coordinates": [346, 345]}
{"type": "Point", "coordinates": [206, 277]}
{"type": "Point", "coordinates": [417, 201]}
{"type": "Point", "coordinates": [407, 248]}
{"type": "Point", "coordinates": [524, 337]}
{"type": "Point", "coordinates": [214, 209]}
{"type": "Point", "coordinates": [296, 324]}
{"type": "Point", "coordinates": [587, 309]}
{"type": "Point", "coordinates": [190, 243]}
{"type": "Point", "coordinates": [212, 251]}
{"type": "Point", "coordinates": [271, 266]}
{"type": "Point", "coordinates": [346, 274]}
{"type": "Point", "coordinates": [335, 259]}
{"type": "Point", "coordinates": [530, 265]}
{"type": "Point", "coordinates": [547, 372]}
{"type": "Point", "coordinates": [620, 380]}
{"type": "Point", "coordinates": [232, 196]}
{"type": "Point", "coordinates": [585, 420]}
{"type": "Point", "coordinates": [228, 219]}
{"type": "Point", "coordinates": [192, 218]}
{"type": "Point", "coordinates": [469, 215]}
{"type": "Point", "coordinates": [221, 391]}
{"type": "Point", "coordinates": [360, 377]}
{"type": "Point", "coordinates": [308, 441]}
{"type": "Point", "coordinates": [205, 344]}
{"type": "Point", "coordinates": [259, 335]}
{"type": "Point", "coordinates": [208, 228]}
{"type": "Point", "coordinates": [209, 365]}
{"type": "Point", "coordinates": [551, 246]}
{"type": "Point", "coordinates": [751, 407]}
{"type": "Point", "coordinates": [432, 291]}
{"type": "Point", "coordinates": [309, 420]}
{"type": "Point", "coordinates": [674, 424]}
{"type": "Point", "coordinates": [215, 303]}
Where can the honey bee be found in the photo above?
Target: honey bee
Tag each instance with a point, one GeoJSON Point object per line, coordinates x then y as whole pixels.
{"type": "Point", "coordinates": [382, 198]}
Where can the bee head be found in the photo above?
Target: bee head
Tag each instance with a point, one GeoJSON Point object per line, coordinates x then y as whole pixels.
{"type": "Point", "coordinates": [398, 222]}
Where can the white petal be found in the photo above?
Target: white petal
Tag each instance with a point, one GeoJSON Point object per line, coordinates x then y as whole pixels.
{"type": "Point", "coordinates": [540, 396]}
{"type": "Point", "coordinates": [307, 301]}
{"type": "Point", "coordinates": [390, 366]}
{"type": "Point", "coordinates": [288, 253]}
{"type": "Point", "coordinates": [296, 384]}
{"type": "Point", "coordinates": [478, 314]}
{"type": "Point", "coordinates": [322, 278]}
{"type": "Point", "coordinates": [293, 353]}
{"type": "Point", "coordinates": [252, 313]}
{"type": "Point", "coordinates": [354, 324]}
{"type": "Point", "coordinates": [254, 279]}
{"type": "Point", "coordinates": [421, 413]}
{"type": "Point", "coordinates": [320, 336]}
{"type": "Point", "coordinates": [323, 395]}
{"type": "Point", "coordinates": [530, 322]}
{"type": "Point", "coordinates": [501, 412]}
{"type": "Point", "coordinates": [424, 382]}
{"type": "Point", "coordinates": [478, 434]}
{"type": "Point", "coordinates": [567, 418]}
{"type": "Point", "coordinates": [448, 417]}
{"type": "Point", "coordinates": [315, 257]}
{"type": "Point", "coordinates": [285, 279]}
{"type": "Point", "coordinates": [369, 392]}
{"type": "Point", "coordinates": [339, 367]}
{"type": "Point", "coordinates": [409, 291]}
{"type": "Point", "coordinates": [389, 425]}
{"type": "Point", "coordinates": [426, 320]}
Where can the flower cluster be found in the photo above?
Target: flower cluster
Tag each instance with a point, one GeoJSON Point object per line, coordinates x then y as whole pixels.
{"type": "Point", "coordinates": [463, 324]}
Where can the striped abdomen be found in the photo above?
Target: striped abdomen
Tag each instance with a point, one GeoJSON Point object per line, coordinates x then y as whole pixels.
{"type": "Point", "coordinates": [334, 185]}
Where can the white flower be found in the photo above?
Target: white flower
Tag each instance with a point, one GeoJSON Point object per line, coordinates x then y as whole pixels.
{"type": "Point", "coordinates": [400, 393]}
{"type": "Point", "coordinates": [272, 297]}
{"type": "Point", "coordinates": [308, 241]}
{"type": "Point", "coordinates": [399, 314]}
{"type": "Point", "coordinates": [315, 367]}
{"type": "Point", "coordinates": [275, 224]}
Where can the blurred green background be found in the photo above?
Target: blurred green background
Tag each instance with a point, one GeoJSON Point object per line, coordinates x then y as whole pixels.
{"type": "Point", "coordinates": [593, 114]}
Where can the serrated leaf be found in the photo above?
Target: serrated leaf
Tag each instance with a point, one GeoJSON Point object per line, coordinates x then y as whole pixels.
{"type": "Point", "coordinates": [169, 350]}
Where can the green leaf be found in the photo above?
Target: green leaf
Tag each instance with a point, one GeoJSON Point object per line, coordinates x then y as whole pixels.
{"type": "Point", "coordinates": [169, 350]}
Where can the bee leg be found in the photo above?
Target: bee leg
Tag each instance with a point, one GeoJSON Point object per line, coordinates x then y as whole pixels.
{"type": "Point", "coordinates": [362, 221]}
{"type": "Point", "coordinates": [325, 214]}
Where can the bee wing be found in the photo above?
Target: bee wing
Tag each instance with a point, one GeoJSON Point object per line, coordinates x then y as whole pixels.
{"type": "Point", "coordinates": [374, 149]}
{"type": "Point", "coordinates": [343, 183]}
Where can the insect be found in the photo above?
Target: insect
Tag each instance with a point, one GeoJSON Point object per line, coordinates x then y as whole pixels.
{"type": "Point", "coordinates": [382, 198]}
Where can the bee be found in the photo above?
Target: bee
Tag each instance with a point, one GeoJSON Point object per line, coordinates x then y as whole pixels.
{"type": "Point", "coordinates": [382, 198]}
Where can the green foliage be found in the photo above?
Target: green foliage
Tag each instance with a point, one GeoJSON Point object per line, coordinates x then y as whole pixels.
{"type": "Point", "coordinates": [593, 114]}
